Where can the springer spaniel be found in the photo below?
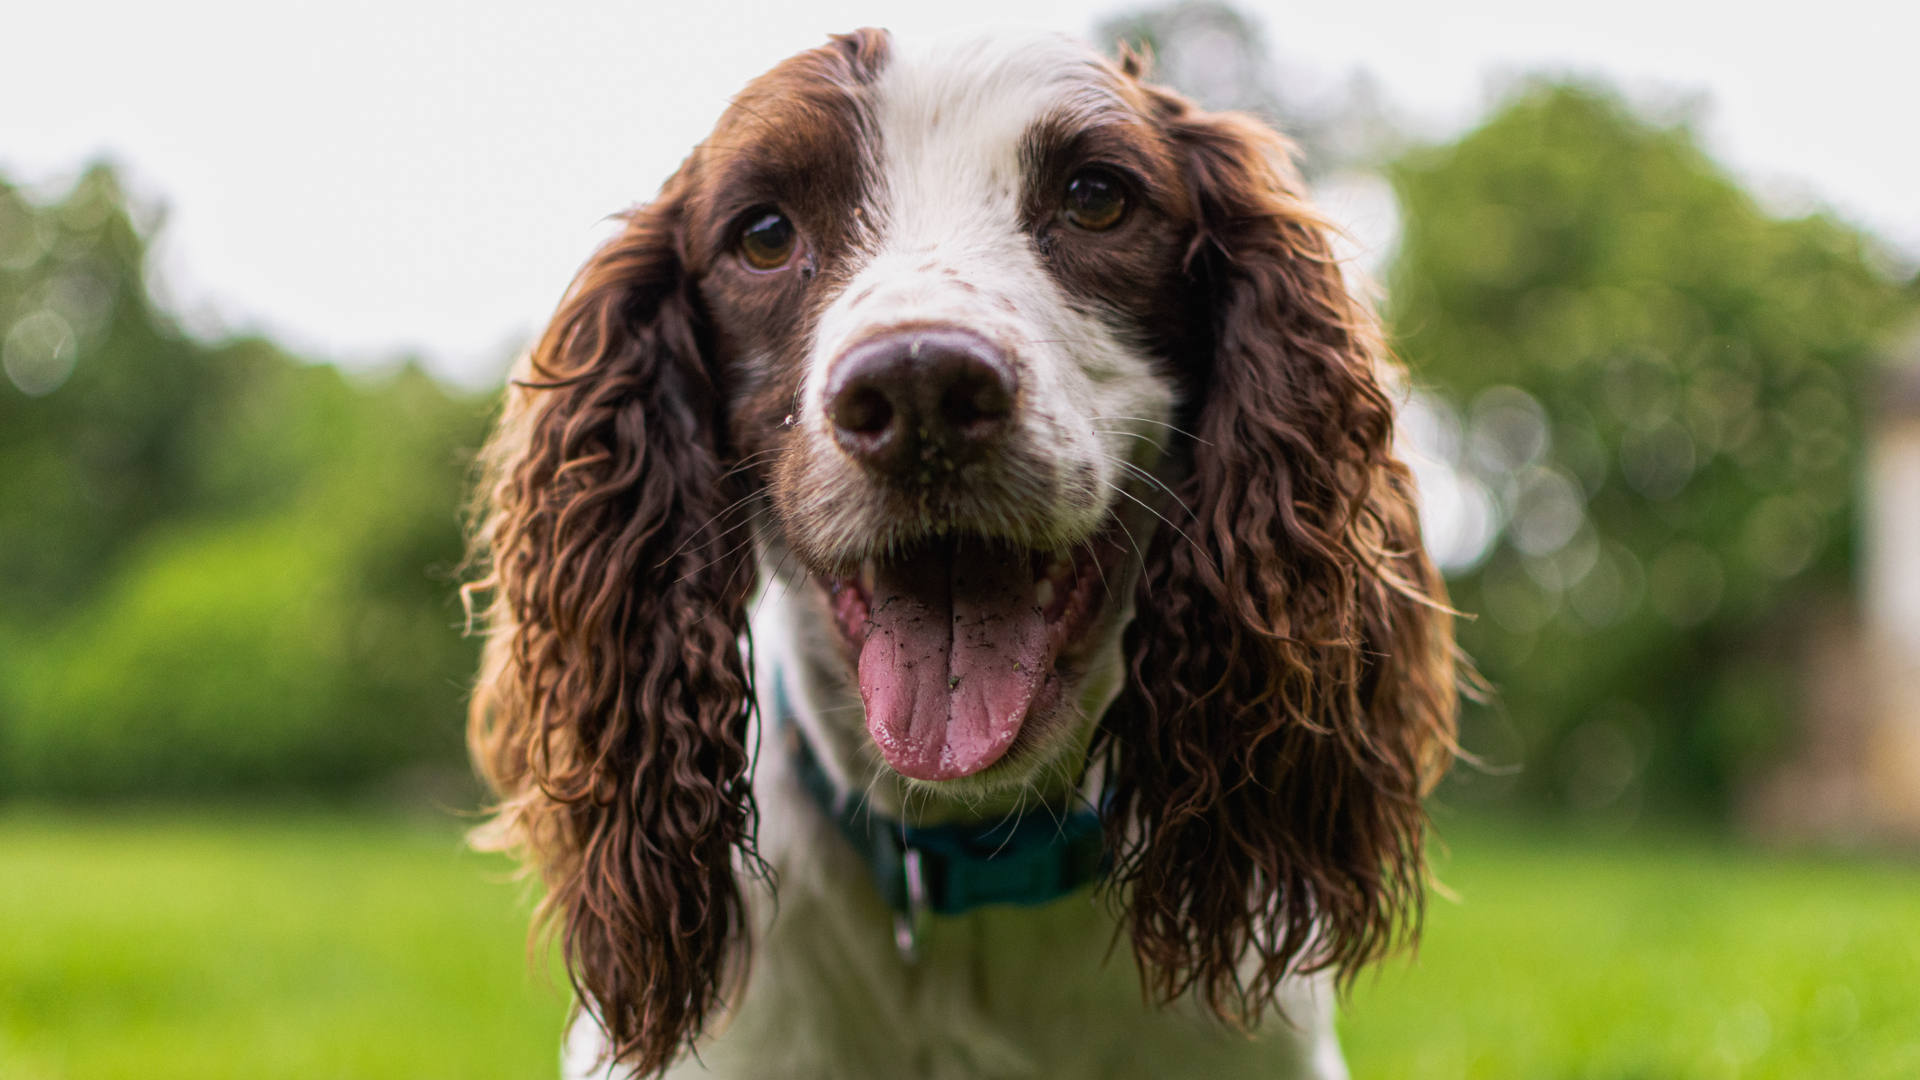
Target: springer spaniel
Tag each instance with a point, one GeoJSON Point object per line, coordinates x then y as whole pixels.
{"type": "Point", "coordinates": [949, 541]}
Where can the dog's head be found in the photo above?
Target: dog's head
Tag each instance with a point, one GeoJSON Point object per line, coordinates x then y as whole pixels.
{"type": "Point", "coordinates": [1025, 370]}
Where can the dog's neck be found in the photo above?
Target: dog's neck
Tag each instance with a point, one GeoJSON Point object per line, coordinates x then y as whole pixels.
{"type": "Point", "coordinates": [794, 646]}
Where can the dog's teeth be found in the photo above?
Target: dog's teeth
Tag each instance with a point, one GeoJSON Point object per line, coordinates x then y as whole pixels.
{"type": "Point", "coordinates": [1043, 592]}
{"type": "Point", "coordinates": [866, 577]}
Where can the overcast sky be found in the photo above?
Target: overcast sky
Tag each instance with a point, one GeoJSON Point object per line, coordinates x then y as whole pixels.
{"type": "Point", "coordinates": [363, 179]}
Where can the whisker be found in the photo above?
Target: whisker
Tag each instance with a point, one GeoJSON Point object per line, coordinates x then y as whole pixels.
{"type": "Point", "coordinates": [696, 534]}
{"type": "Point", "coordinates": [1129, 532]}
{"type": "Point", "coordinates": [1156, 423]}
{"type": "Point", "coordinates": [866, 797]}
{"type": "Point", "coordinates": [1147, 476]}
{"type": "Point", "coordinates": [779, 569]}
{"type": "Point", "coordinates": [760, 534]}
{"type": "Point", "coordinates": [743, 564]}
{"type": "Point", "coordinates": [1131, 539]}
{"type": "Point", "coordinates": [1105, 585]}
{"type": "Point", "coordinates": [771, 451]}
{"type": "Point", "coordinates": [751, 539]}
{"type": "Point", "coordinates": [1019, 807]}
{"type": "Point", "coordinates": [1131, 435]}
{"type": "Point", "coordinates": [1123, 493]}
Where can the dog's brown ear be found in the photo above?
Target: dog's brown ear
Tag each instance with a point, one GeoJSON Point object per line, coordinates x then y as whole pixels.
{"type": "Point", "coordinates": [1292, 693]}
{"type": "Point", "coordinates": [613, 702]}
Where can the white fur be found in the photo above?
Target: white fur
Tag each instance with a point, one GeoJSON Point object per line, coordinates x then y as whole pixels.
{"type": "Point", "coordinates": [945, 245]}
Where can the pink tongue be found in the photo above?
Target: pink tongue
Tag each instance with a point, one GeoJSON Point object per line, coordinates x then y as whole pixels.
{"type": "Point", "coordinates": [955, 649]}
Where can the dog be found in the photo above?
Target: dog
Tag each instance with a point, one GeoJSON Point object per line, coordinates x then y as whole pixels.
{"type": "Point", "coordinates": [953, 607]}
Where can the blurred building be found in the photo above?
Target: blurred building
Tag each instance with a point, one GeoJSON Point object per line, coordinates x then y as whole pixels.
{"type": "Point", "coordinates": [1892, 604]}
{"type": "Point", "coordinates": [1854, 775]}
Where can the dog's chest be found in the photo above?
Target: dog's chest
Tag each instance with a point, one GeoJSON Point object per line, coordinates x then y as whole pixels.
{"type": "Point", "coordinates": [1000, 992]}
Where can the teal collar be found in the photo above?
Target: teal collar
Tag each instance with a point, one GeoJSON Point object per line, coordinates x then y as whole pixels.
{"type": "Point", "coordinates": [1024, 859]}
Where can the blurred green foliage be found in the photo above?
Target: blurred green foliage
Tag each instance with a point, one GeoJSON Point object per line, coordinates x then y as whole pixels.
{"type": "Point", "coordinates": [221, 570]}
{"type": "Point", "coordinates": [1662, 388]}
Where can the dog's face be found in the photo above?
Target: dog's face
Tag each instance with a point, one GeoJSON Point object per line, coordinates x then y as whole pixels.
{"type": "Point", "coordinates": [1040, 386]}
{"type": "Point", "coordinates": [947, 291]}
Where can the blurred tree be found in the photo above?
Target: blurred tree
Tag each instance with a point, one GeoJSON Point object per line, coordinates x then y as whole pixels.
{"type": "Point", "coordinates": [1662, 387]}
{"type": "Point", "coordinates": [216, 562]}
{"type": "Point", "coordinates": [1218, 55]}
{"type": "Point", "coordinates": [1645, 401]}
{"type": "Point", "coordinates": [96, 451]}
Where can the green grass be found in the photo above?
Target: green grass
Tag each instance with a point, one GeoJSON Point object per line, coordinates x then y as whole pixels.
{"type": "Point", "coordinates": [209, 946]}
{"type": "Point", "coordinates": [1569, 957]}
{"type": "Point", "coordinates": [201, 948]}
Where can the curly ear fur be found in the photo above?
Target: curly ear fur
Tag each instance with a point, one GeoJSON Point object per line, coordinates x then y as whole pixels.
{"type": "Point", "coordinates": [613, 702]}
{"type": "Point", "coordinates": [1292, 694]}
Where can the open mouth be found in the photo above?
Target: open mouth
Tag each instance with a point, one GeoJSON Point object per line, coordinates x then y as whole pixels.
{"type": "Point", "coordinates": [959, 642]}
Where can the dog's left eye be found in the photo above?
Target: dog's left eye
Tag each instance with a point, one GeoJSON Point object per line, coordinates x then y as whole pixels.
{"type": "Point", "coordinates": [1095, 200]}
{"type": "Point", "coordinates": [768, 240]}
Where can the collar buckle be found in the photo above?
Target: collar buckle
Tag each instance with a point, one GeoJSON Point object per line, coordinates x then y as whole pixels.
{"type": "Point", "coordinates": [909, 925]}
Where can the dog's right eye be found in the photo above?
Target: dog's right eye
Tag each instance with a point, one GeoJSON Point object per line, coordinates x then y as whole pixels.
{"type": "Point", "coordinates": [1095, 200]}
{"type": "Point", "coordinates": [768, 240]}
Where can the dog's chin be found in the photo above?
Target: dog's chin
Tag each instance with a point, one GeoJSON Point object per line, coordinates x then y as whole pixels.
{"type": "Point", "coordinates": [975, 658]}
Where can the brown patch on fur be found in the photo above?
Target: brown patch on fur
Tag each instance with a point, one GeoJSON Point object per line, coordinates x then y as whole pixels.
{"type": "Point", "coordinates": [613, 702]}
{"type": "Point", "coordinates": [1292, 695]}
{"type": "Point", "coordinates": [1134, 273]}
{"type": "Point", "coordinates": [797, 139]}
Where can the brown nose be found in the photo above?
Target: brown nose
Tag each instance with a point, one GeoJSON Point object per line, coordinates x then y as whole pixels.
{"type": "Point", "coordinates": [915, 405]}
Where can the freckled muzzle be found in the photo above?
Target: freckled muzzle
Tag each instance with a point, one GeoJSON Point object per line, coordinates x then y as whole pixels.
{"type": "Point", "coordinates": [913, 406]}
